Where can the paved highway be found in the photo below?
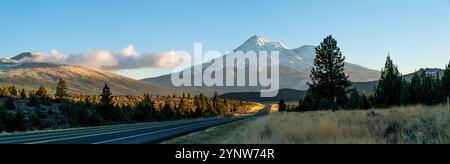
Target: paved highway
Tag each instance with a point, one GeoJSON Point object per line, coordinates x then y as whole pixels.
{"type": "Point", "coordinates": [141, 133]}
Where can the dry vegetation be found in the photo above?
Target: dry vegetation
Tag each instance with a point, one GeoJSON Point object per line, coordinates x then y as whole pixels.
{"type": "Point", "coordinates": [401, 125]}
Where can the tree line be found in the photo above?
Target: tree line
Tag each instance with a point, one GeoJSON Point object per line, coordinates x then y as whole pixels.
{"type": "Point", "coordinates": [330, 88]}
{"type": "Point", "coordinates": [22, 110]}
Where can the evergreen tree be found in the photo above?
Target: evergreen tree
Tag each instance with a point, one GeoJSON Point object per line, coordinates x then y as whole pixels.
{"type": "Point", "coordinates": [23, 94]}
{"type": "Point", "coordinates": [329, 82]}
{"type": "Point", "coordinates": [106, 95]}
{"type": "Point", "coordinates": [42, 92]}
{"type": "Point", "coordinates": [144, 111]}
{"type": "Point", "coordinates": [389, 88]}
{"type": "Point", "coordinates": [365, 103]}
{"type": "Point", "coordinates": [13, 90]}
{"type": "Point", "coordinates": [282, 106]}
{"type": "Point", "coordinates": [61, 89]}
{"type": "Point", "coordinates": [355, 100]}
{"type": "Point", "coordinates": [106, 108]}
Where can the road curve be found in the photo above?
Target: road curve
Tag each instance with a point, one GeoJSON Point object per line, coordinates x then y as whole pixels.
{"type": "Point", "coordinates": [140, 133]}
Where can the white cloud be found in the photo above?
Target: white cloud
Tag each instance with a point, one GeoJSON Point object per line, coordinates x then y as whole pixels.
{"type": "Point", "coordinates": [127, 58]}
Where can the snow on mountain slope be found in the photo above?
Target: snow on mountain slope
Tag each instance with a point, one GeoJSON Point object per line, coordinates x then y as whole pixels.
{"type": "Point", "coordinates": [295, 65]}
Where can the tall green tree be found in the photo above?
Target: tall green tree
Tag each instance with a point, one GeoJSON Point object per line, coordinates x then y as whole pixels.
{"type": "Point", "coordinates": [329, 82]}
{"type": "Point", "coordinates": [389, 88]}
{"type": "Point", "coordinates": [61, 89]}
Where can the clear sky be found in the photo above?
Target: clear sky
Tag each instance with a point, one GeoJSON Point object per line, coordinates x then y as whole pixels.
{"type": "Point", "coordinates": [415, 32]}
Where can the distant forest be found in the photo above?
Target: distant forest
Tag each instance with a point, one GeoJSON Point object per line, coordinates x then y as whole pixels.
{"type": "Point", "coordinates": [22, 110]}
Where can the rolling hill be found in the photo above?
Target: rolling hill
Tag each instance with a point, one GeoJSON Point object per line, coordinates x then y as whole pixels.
{"type": "Point", "coordinates": [80, 80]}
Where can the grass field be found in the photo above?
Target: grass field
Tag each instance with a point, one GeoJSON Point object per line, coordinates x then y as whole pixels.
{"type": "Point", "coordinates": [400, 125]}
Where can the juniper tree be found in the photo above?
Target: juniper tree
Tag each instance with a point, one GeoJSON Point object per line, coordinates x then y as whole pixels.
{"type": "Point", "coordinates": [329, 82]}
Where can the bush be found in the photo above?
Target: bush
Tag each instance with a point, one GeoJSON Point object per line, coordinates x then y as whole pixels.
{"type": "Point", "coordinates": [10, 104]}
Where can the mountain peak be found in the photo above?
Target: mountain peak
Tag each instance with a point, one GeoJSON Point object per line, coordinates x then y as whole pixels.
{"type": "Point", "coordinates": [26, 55]}
{"type": "Point", "coordinates": [258, 42]}
{"type": "Point", "coordinates": [258, 39]}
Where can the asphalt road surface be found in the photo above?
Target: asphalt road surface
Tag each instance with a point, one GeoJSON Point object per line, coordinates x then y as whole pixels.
{"type": "Point", "coordinates": [142, 133]}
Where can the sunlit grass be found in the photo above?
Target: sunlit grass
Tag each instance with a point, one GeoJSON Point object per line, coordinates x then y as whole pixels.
{"type": "Point", "coordinates": [399, 125]}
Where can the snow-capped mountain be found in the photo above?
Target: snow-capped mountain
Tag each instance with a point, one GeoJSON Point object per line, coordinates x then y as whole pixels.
{"type": "Point", "coordinates": [299, 59]}
{"type": "Point", "coordinates": [295, 66]}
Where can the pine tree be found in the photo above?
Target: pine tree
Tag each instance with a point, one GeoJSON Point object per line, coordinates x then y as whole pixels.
{"type": "Point", "coordinates": [282, 106]}
{"type": "Point", "coordinates": [144, 110]}
{"type": "Point", "coordinates": [23, 94]}
{"type": "Point", "coordinates": [446, 80]}
{"type": "Point", "coordinates": [389, 88]}
{"type": "Point", "coordinates": [61, 89]}
{"type": "Point", "coordinates": [414, 89]}
{"type": "Point", "coordinates": [355, 100]}
{"type": "Point", "coordinates": [13, 90]}
{"type": "Point", "coordinates": [106, 95]}
{"type": "Point", "coordinates": [106, 108]}
{"type": "Point", "coordinates": [365, 104]}
{"type": "Point", "coordinates": [42, 92]}
{"type": "Point", "coordinates": [329, 82]}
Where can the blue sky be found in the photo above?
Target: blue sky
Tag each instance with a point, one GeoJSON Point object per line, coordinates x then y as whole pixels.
{"type": "Point", "coordinates": [415, 32]}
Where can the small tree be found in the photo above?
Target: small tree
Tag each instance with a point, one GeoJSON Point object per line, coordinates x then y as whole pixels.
{"type": "Point", "coordinates": [42, 92]}
{"type": "Point", "coordinates": [23, 94]}
{"type": "Point", "coordinates": [282, 106]}
{"type": "Point", "coordinates": [106, 108]}
{"type": "Point", "coordinates": [13, 90]}
{"type": "Point", "coordinates": [106, 95]}
{"type": "Point", "coordinates": [355, 100]}
{"type": "Point", "coordinates": [61, 89]}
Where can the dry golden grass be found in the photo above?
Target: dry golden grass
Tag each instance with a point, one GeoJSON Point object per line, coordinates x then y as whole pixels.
{"type": "Point", "coordinates": [400, 125]}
